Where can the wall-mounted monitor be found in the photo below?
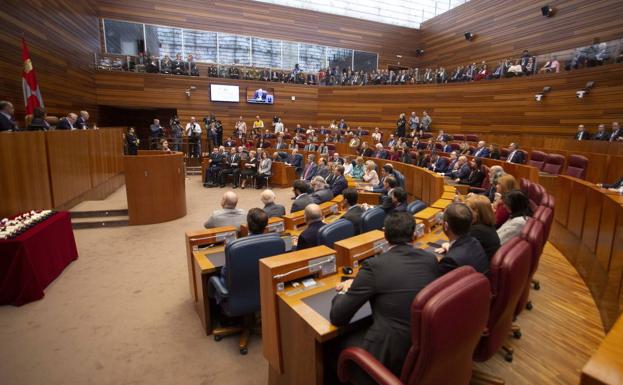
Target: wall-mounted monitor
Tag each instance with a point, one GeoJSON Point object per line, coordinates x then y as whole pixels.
{"type": "Point", "coordinates": [260, 95]}
{"type": "Point", "coordinates": [224, 93]}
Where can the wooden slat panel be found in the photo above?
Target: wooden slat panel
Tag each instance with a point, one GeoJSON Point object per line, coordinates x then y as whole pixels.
{"type": "Point", "coordinates": [69, 164]}
{"type": "Point", "coordinates": [24, 180]}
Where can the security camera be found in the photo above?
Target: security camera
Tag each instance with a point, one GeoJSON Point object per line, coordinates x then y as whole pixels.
{"type": "Point", "coordinates": [192, 88]}
{"type": "Point", "coordinates": [538, 97]}
{"type": "Point", "coordinates": [580, 94]}
{"type": "Point", "coordinates": [188, 93]}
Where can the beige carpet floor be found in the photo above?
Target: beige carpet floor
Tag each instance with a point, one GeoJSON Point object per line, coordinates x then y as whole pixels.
{"type": "Point", "coordinates": [122, 313]}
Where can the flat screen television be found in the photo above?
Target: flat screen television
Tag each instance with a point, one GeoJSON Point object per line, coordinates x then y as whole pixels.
{"type": "Point", "coordinates": [224, 93]}
{"type": "Point", "coordinates": [260, 95]}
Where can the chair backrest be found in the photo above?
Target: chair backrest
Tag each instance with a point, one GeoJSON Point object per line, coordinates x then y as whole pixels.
{"type": "Point", "coordinates": [448, 318]}
{"type": "Point", "coordinates": [534, 233]}
{"type": "Point", "coordinates": [536, 193]}
{"type": "Point", "coordinates": [486, 182]}
{"type": "Point", "coordinates": [416, 206]}
{"type": "Point", "coordinates": [426, 135]}
{"type": "Point", "coordinates": [400, 178]}
{"type": "Point", "coordinates": [524, 185]}
{"type": "Point", "coordinates": [471, 138]}
{"type": "Point", "coordinates": [548, 200]}
{"type": "Point", "coordinates": [537, 159]}
{"type": "Point", "coordinates": [546, 216]}
{"type": "Point", "coordinates": [504, 153]}
{"type": "Point", "coordinates": [336, 231]}
{"type": "Point", "coordinates": [372, 219]}
{"type": "Point", "coordinates": [576, 166]}
{"type": "Point", "coordinates": [554, 164]}
{"type": "Point", "coordinates": [243, 280]}
{"type": "Point", "coordinates": [460, 137]}
{"type": "Point", "coordinates": [509, 275]}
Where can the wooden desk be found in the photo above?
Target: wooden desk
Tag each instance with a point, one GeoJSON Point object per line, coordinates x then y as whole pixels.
{"type": "Point", "coordinates": [275, 225]}
{"type": "Point", "coordinates": [354, 249]}
{"type": "Point", "coordinates": [294, 220]}
{"type": "Point", "coordinates": [606, 365]}
{"type": "Point", "coordinates": [430, 216]}
{"type": "Point", "coordinates": [155, 187]}
{"type": "Point", "coordinates": [282, 174]}
{"type": "Point", "coordinates": [448, 195]}
{"type": "Point", "coordinates": [203, 270]}
{"type": "Point", "coordinates": [368, 197]}
{"type": "Point", "coordinates": [441, 204]}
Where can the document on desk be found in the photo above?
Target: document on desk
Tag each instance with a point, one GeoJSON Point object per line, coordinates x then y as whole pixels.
{"type": "Point", "coordinates": [217, 259]}
{"type": "Point", "coordinates": [321, 303]}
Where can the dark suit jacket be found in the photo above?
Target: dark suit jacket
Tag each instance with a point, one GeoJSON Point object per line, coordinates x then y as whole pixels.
{"type": "Point", "coordinates": [63, 124]}
{"type": "Point", "coordinates": [601, 136]}
{"type": "Point", "coordinates": [312, 173]}
{"type": "Point", "coordinates": [465, 251]}
{"type": "Point", "coordinates": [474, 178]}
{"type": "Point", "coordinates": [301, 202]}
{"type": "Point", "coordinates": [274, 210]}
{"type": "Point", "coordinates": [322, 196]}
{"type": "Point", "coordinates": [381, 154]}
{"type": "Point", "coordinates": [296, 160]}
{"type": "Point", "coordinates": [353, 214]}
{"type": "Point", "coordinates": [517, 157]}
{"type": "Point", "coordinates": [367, 152]}
{"type": "Point", "coordinates": [6, 124]}
{"type": "Point", "coordinates": [81, 124]}
{"type": "Point", "coordinates": [482, 153]}
{"type": "Point", "coordinates": [339, 185]}
{"type": "Point", "coordinates": [615, 135]}
{"type": "Point", "coordinates": [463, 172]}
{"type": "Point", "coordinates": [447, 148]}
{"type": "Point", "coordinates": [488, 238]}
{"type": "Point", "coordinates": [616, 184]}
{"type": "Point", "coordinates": [390, 282]}
{"type": "Point", "coordinates": [440, 165]}
{"type": "Point", "coordinates": [309, 237]}
{"type": "Point", "coordinates": [582, 135]}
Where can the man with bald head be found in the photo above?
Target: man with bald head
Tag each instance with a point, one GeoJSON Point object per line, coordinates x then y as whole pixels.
{"type": "Point", "coordinates": [82, 121]}
{"type": "Point", "coordinates": [229, 215]}
{"type": "Point", "coordinates": [68, 122]}
{"type": "Point", "coordinates": [313, 218]}
{"type": "Point", "coordinates": [270, 207]}
{"type": "Point", "coordinates": [462, 169]}
{"type": "Point", "coordinates": [482, 151]}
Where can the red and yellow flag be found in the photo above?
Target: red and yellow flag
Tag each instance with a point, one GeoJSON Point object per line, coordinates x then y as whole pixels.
{"type": "Point", "coordinates": [32, 94]}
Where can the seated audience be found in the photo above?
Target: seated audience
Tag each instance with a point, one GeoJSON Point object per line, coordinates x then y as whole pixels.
{"type": "Point", "coordinates": [301, 196]}
{"type": "Point", "coordinates": [552, 65]}
{"type": "Point", "coordinates": [164, 146]}
{"type": "Point", "coordinates": [38, 122]}
{"type": "Point", "coordinates": [323, 168]}
{"type": "Point", "coordinates": [250, 169]}
{"type": "Point", "coordinates": [504, 184]}
{"type": "Point", "coordinates": [271, 208]}
{"type": "Point", "coordinates": [313, 219]}
{"type": "Point", "coordinates": [518, 205]}
{"type": "Point", "coordinates": [476, 174]}
{"type": "Point", "coordinates": [463, 249]}
{"type": "Point", "coordinates": [370, 176]}
{"type": "Point", "coordinates": [422, 160]}
{"type": "Point", "coordinates": [82, 120]}
{"type": "Point", "coordinates": [495, 172]}
{"type": "Point", "coordinates": [616, 134]}
{"type": "Point", "coordinates": [7, 122]}
{"type": "Point", "coordinates": [601, 133]}
{"type": "Point", "coordinates": [295, 160]}
{"type": "Point", "coordinates": [322, 193]}
{"type": "Point", "coordinates": [582, 134]}
{"type": "Point", "coordinates": [229, 215]}
{"type": "Point", "coordinates": [380, 153]}
{"type": "Point", "coordinates": [365, 150]}
{"type": "Point", "coordinates": [339, 181]}
{"type": "Point", "coordinates": [263, 170]}
{"type": "Point", "coordinates": [437, 163]}
{"type": "Point", "coordinates": [376, 135]}
{"type": "Point", "coordinates": [481, 150]}
{"type": "Point", "coordinates": [461, 169]}
{"type": "Point", "coordinates": [358, 169]}
{"type": "Point", "coordinates": [494, 151]}
{"type": "Point", "coordinates": [483, 224]}
{"type": "Point", "coordinates": [68, 122]}
{"type": "Point", "coordinates": [389, 282]}
{"type": "Point", "coordinates": [353, 210]}
{"type": "Point", "coordinates": [515, 156]}
{"type": "Point", "coordinates": [396, 200]}
{"type": "Point", "coordinates": [348, 165]}
{"type": "Point", "coordinates": [311, 169]}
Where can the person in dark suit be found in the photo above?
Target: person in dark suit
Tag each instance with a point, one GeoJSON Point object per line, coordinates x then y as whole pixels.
{"type": "Point", "coordinates": [437, 163]}
{"type": "Point", "coordinates": [582, 134]}
{"type": "Point", "coordinates": [380, 153]}
{"type": "Point", "coordinates": [310, 169]}
{"type": "Point", "coordinates": [353, 210]}
{"type": "Point", "coordinates": [463, 248]}
{"type": "Point", "coordinates": [295, 160]}
{"type": "Point", "coordinates": [270, 207]}
{"type": "Point", "coordinates": [301, 196]}
{"type": "Point", "coordinates": [68, 122]}
{"type": "Point", "coordinates": [7, 123]}
{"type": "Point", "coordinates": [339, 182]}
{"type": "Point", "coordinates": [396, 201]}
{"type": "Point", "coordinates": [401, 126]}
{"type": "Point", "coordinates": [482, 151]}
{"type": "Point", "coordinates": [322, 193]}
{"type": "Point", "coordinates": [132, 141]}
{"type": "Point", "coordinates": [38, 122]}
{"type": "Point", "coordinates": [462, 170]}
{"type": "Point", "coordinates": [476, 174]}
{"type": "Point", "coordinates": [515, 156]}
{"type": "Point", "coordinates": [365, 150]}
{"type": "Point", "coordinates": [442, 137]}
{"type": "Point", "coordinates": [483, 224]}
{"type": "Point", "coordinates": [445, 147]}
{"type": "Point", "coordinates": [389, 282]}
{"type": "Point", "coordinates": [616, 133]}
{"type": "Point", "coordinates": [231, 166]}
{"type": "Point", "coordinates": [601, 133]}
{"type": "Point", "coordinates": [313, 219]}
{"type": "Point", "coordinates": [82, 121]}
{"type": "Point", "coordinates": [616, 185]}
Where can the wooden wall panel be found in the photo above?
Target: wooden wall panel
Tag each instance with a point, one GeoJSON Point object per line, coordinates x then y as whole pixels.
{"type": "Point", "coordinates": [504, 29]}
{"type": "Point", "coordinates": [68, 154]}
{"type": "Point", "coordinates": [505, 106]}
{"type": "Point", "coordinates": [245, 17]}
{"type": "Point", "coordinates": [62, 37]}
{"type": "Point", "coordinates": [24, 180]}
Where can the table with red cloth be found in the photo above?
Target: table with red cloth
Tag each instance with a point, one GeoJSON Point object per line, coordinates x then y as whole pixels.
{"type": "Point", "coordinates": [32, 260]}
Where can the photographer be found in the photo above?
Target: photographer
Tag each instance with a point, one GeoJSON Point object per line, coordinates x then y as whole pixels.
{"type": "Point", "coordinates": [176, 132]}
{"type": "Point", "coordinates": [193, 131]}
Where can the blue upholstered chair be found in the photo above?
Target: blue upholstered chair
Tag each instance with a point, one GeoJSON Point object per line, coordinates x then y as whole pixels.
{"type": "Point", "coordinates": [239, 295]}
{"type": "Point", "coordinates": [372, 219]}
{"type": "Point", "coordinates": [416, 206]}
{"type": "Point", "coordinates": [336, 231]}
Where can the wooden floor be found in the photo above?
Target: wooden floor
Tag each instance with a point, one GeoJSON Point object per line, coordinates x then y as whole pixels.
{"type": "Point", "coordinates": [559, 334]}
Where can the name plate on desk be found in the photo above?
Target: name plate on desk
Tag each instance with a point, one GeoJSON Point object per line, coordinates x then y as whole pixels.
{"type": "Point", "coordinates": [324, 265]}
{"type": "Point", "coordinates": [278, 227]}
{"type": "Point", "coordinates": [227, 237]}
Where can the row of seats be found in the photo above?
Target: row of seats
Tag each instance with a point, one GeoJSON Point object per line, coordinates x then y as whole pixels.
{"type": "Point", "coordinates": [554, 163]}
{"type": "Point", "coordinates": [454, 310]}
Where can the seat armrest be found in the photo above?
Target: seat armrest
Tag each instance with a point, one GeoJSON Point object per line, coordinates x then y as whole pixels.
{"type": "Point", "coordinates": [477, 190]}
{"type": "Point", "coordinates": [215, 282]}
{"type": "Point", "coordinates": [361, 358]}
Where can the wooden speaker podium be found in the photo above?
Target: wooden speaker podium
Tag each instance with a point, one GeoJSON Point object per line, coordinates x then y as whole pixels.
{"type": "Point", "coordinates": [155, 186]}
